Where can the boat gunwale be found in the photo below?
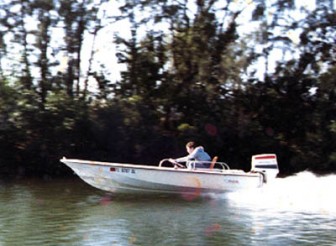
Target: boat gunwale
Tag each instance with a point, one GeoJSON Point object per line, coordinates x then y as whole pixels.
{"type": "Point", "coordinates": [223, 172]}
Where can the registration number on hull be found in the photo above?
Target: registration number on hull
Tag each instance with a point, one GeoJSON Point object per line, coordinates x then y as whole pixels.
{"type": "Point", "coordinates": [122, 170]}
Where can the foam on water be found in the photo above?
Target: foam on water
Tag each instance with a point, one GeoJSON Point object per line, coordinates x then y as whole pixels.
{"type": "Point", "coordinates": [304, 192]}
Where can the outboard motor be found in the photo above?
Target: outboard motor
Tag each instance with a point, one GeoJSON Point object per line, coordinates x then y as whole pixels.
{"type": "Point", "coordinates": [266, 164]}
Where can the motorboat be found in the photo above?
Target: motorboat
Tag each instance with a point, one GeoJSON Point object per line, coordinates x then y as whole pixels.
{"type": "Point", "coordinates": [168, 178]}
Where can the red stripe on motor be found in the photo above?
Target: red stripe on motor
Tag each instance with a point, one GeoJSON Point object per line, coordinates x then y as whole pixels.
{"type": "Point", "coordinates": [265, 157]}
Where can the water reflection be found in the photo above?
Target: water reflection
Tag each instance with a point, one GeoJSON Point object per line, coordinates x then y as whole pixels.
{"type": "Point", "coordinates": [72, 213]}
{"type": "Point", "coordinates": [166, 221]}
{"type": "Point", "coordinates": [36, 213]}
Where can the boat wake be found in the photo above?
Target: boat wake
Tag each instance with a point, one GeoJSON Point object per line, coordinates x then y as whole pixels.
{"type": "Point", "coordinates": [304, 192]}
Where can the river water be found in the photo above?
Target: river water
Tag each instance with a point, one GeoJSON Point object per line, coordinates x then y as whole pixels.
{"type": "Point", "coordinates": [298, 210]}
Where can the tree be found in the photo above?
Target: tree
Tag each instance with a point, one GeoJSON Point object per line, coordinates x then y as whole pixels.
{"type": "Point", "coordinates": [191, 73]}
{"type": "Point", "coordinates": [302, 130]}
{"type": "Point", "coordinates": [43, 9]}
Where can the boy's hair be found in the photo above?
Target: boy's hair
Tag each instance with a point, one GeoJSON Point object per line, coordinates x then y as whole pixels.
{"type": "Point", "coordinates": [191, 144]}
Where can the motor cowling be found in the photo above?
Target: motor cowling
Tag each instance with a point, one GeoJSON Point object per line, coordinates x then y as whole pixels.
{"type": "Point", "coordinates": [266, 164]}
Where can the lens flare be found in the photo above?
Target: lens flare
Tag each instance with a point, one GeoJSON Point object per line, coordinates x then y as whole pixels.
{"type": "Point", "coordinates": [191, 194]}
{"type": "Point", "coordinates": [210, 230]}
{"type": "Point", "coordinates": [211, 129]}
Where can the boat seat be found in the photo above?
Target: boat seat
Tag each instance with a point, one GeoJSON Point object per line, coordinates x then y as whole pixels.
{"type": "Point", "coordinates": [213, 162]}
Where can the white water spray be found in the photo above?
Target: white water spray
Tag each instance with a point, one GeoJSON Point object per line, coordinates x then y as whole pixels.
{"type": "Point", "coordinates": [303, 193]}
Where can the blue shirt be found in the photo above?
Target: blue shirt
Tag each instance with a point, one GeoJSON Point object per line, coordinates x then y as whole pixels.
{"type": "Point", "coordinates": [198, 154]}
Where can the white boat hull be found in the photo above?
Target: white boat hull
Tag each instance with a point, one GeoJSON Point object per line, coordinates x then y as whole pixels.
{"type": "Point", "coordinates": [130, 178]}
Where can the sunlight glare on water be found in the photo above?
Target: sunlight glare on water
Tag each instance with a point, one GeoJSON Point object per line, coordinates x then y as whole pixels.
{"type": "Point", "coordinates": [304, 192]}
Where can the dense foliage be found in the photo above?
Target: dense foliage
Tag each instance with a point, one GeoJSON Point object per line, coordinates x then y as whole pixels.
{"type": "Point", "coordinates": [192, 73]}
